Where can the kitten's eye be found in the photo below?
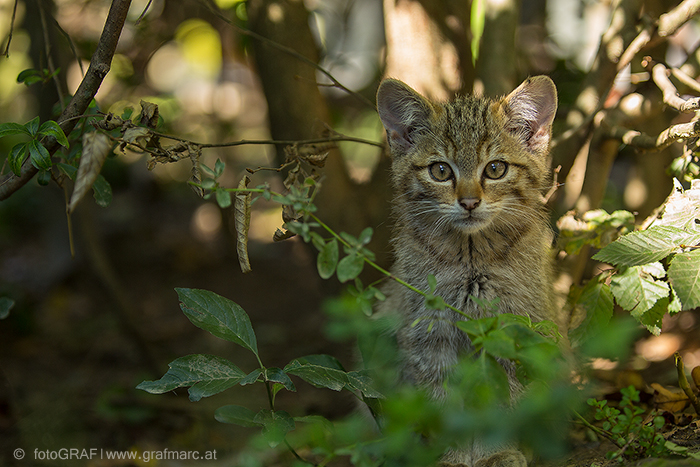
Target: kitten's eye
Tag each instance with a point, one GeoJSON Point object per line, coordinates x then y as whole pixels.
{"type": "Point", "coordinates": [495, 170]}
{"type": "Point", "coordinates": [440, 171]}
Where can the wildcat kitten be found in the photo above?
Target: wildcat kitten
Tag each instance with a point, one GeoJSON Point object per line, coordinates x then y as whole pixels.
{"type": "Point", "coordinates": [469, 177]}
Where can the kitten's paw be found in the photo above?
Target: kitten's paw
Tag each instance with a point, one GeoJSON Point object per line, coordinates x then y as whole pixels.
{"type": "Point", "coordinates": [508, 458]}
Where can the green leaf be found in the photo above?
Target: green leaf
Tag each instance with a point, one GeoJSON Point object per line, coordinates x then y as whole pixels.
{"type": "Point", "coordinates": [499, 344]}
{"type": "Point", "coordinates": [218, 315]}
{"type": "Point", "coordinates": [43, 177]}
{"type": "Point", "coordinates": [18, 154]}
{"type": "Point", "coordinates": [477, 22]}
{"type": "Point", "coordinates": [350, 267]}
{"type": "Point", "coordinates": [237, 415]}
{"type": "Point", "coordinates": [6, 304]}
{"type": "Point", "coordinates": [483, 381]}
{"type": "Point", "coordinates": [646, 246]}
{"type": "Point", "coordinates": [252, 377]}
{"type": "Point", "coordinates": [30, 76]}
{"type": "Point", "coordinates": [68, 169]}
{"type": "Point", "coordinates": [32, 126]}
{"type": "Point", "coordinates": [40, 157]}
{"type": "Point", "coordinates": [51, 128]}
{"type": "Point", "coordinates": [361, 381]}
{"type": "Point", "coordinates": [327, 259]}
{"type": "Point", "coordinates": [205, 374]}
{"type": "Point", "coordinates": [276, 425]}
{"type": "Point", "coordinates": [636, 291]}
{"type": "Point", "coordinates": [597, 300]}
{"type": "Point", "coordinates": [102, 191]}
{"type": "Point", "coordinates": [321, 371]}
{"type": "Point", "coordinates": [684, 274]}
{"type": "Point", "coordinates": [477, 327]}
{"type": "Point", "coordinates": [276, 375]}
{"type": "Point", "coordinates": [365, 236]}
{"type": "Point", "coordinates": [12, 128]}
{"type": "Point", "coordinates": [223, 198]}
{"type": "Point", "coordinates": [219, 167]}
{"type": "Point", "coordinates": [652, 318]}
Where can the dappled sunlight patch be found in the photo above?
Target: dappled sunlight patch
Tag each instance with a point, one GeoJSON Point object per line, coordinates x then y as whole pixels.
{"type": "Point", "coordinates": [657, 348]}
{"type": "Point", "coordinates": [206, 222]}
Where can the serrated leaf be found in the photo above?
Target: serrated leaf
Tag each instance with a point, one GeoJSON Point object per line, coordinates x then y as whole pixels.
{"type": "Point", "coordinates": [647, 246]}
{"type": "Point", "coordinates": [51, 128]}
{"type": "Point", "coordinates": [682, 207]}
{"type": "Point", "coordinates": [39, 155]}
{"type": "Point", "coordinates": [237, 415]}
{"type": "Point", "coordinates": [32, 126]}
{"type": "Point", "coordinates": [12, 128]}
{"type": "Point", "coordinates": [350, 267]}
{"type": "Point", "coordinates": [205, 374]}
{"type": "Point", "coordinates": [636, 291]}
{"type": "Point", "coordinates": [96, 147]}
{"type": "Point", "coordinates": [6, 304]}
{"type": "Point", "coordinates": [241, 217]}
{"type": "Point", "coordinates": [684, 274]}
{"type": "Point", "coordinates": [102, 191]}
{"type": "Point", "coordinates": [218, 315]}
{"type": "Point", "coordinates": [652, 318]}
{"type": "Point", "coordinates": [327, 259]}
{"type": "Point", "coordinates": [18, 154]}
{"type": "Point", "coordinates": [597, 299]}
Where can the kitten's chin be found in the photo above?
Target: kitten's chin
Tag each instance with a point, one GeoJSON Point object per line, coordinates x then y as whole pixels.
{"type": "Point", "coordinates": [471, 225]}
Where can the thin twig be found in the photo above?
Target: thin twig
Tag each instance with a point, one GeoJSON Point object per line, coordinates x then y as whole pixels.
{"type": "Point", "coordinates": [6, 53]}
{"type": "Point", "coordinates": [49, 57]}
{"type": "Point", "coordinates": [659, 74]}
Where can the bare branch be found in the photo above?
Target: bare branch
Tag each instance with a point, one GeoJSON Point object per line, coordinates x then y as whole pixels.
{"type": "Point", "coordinates": [639, 140]}
{"type": "Point", "coordinates": [98, 69]}
{"type": "Point", "coordinates": [686, 79]}
{"type": "Point", "coordinates": [667, 25]}
{"type": "Point", "coordinates": [659, 74]}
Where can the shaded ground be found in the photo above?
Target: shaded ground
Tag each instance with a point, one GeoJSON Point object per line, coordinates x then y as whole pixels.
{"type": "Point", "coordinates": [85, 332]}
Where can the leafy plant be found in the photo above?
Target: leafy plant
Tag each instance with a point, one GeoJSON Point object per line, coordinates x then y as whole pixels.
{"type": "Point", "coordinates": [635, 434]}
{"type": "Point", "coordinates": [33, 149]}
{"type": "Point", "coordinates": [657, 269]}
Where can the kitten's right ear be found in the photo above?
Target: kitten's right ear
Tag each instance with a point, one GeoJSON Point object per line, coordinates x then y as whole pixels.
{"type": "Point", "coordinates": [403, 112]}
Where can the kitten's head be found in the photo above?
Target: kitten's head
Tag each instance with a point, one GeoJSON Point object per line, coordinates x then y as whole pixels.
{"type": "Point", "coordinates": [470, 163]}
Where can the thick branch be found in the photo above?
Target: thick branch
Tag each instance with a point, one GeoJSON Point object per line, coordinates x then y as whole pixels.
{"type": "Point", "coordinates": [99, 67]}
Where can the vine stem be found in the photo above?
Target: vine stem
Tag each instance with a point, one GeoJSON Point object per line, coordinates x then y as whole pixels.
{"type": "Point", "coordinates": [381, 269]}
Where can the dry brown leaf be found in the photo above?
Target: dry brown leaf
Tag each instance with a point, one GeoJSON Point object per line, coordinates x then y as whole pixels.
{"type": "Point", "coordinates": [149, 114]}
{"type": "Point", "coordinates": [137, 135]}
{"type": "Point", "coordinates": [695, 374]}
{"type": "Point", "coordinates": [670, 401]}
{"type": "Point", "coordinates": [281, 235]}
{"type": "Point", "coordinates": [241, 218]}
{"type": "Point", "coordinates": [96, 147]}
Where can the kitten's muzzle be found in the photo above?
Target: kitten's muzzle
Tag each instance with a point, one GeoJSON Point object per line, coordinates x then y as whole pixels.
{"type": "Point", "coordinates": [469, 203]}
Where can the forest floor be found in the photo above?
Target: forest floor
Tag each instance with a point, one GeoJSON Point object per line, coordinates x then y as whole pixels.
{"type": "Point", "coordinates": [86, 331]}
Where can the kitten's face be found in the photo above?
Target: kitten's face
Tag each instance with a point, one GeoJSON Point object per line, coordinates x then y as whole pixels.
{"type": "Point", "coordinates": [470, 164]}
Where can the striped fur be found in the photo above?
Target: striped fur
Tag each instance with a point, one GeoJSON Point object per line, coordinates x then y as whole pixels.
{"type": "Point", "coordinates": [480, 236]}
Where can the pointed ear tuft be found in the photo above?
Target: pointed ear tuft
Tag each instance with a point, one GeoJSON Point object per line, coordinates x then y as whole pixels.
{"type": "Point", "coordinates": [530, 110]}
{"type": "Point", "coordinates": [403, 112]}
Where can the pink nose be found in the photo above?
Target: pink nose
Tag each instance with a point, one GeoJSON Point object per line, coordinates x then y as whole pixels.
{"type": "Point", "coordinates": [469, 203]}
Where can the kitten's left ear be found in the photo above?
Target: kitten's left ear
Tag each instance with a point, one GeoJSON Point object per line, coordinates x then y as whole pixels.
{"type": "Point", "coordinates": [530, 110]}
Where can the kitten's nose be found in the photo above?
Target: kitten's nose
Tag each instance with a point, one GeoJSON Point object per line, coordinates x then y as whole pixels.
{"type": "Point", "coordinates": [469, 203]}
